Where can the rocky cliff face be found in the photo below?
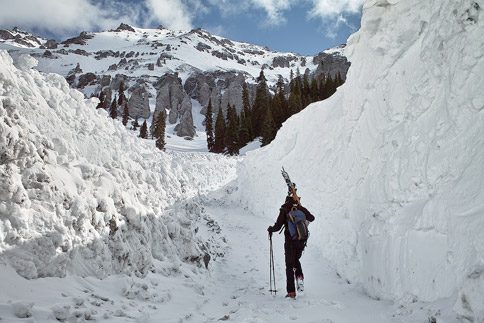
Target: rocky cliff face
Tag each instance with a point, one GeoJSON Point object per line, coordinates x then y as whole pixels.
{"type": "Point", "coordinates": [173, 67]}
{"type": "Point", "coordinates": [171, 96]}
{"type": "Point", "coordinates": [223, 88]}
{"type": "Point", "coordinates": [139, 103]}
{"type": "Point", "coordinates": [331, 63]}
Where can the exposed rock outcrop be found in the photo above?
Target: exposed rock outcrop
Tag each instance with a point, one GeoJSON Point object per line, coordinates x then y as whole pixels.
{"type": "Point", "coordinates": [331, 64]}
{"type": "Point", "coordinates": [6, 35]}
{"type": "Point", "coordinates": [172, 97]}
{"type": "Point", "coordinates": [125, 27]}
{"type": "Point", "coordinates": [86, 79]}
{"type": "Point", "coordinates": [51, 44]}
{"type": "Point", "coordinates": [139, 103]}
{"type": "Point", "coordinates": [79, 40]}
{"type": "Point", "coordinates": [283, 61]}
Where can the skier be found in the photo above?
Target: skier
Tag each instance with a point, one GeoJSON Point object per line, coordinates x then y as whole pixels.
{"type": "Point", "coordinates": [292, 248]}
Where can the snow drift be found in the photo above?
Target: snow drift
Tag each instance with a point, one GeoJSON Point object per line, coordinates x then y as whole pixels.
{"type": "Point", "coordinates": [392, 164]}
{"type": "Point", "coordinates": [79, 194]}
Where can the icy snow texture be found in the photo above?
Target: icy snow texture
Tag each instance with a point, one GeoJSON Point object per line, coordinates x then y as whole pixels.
{"type": "Point", "coordinates": [392, 164]}
{"type": "Point", "coordinates": [79, 194]}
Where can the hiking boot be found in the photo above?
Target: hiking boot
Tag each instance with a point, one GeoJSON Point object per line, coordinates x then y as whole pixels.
{"type": "Point", "coordinates": [291, 295]}
{"type": "Point", "coordinates": [300, 283]}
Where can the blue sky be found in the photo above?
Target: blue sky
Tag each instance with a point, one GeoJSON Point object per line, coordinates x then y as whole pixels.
{"type": "Point", "coordinates": [301, 26]}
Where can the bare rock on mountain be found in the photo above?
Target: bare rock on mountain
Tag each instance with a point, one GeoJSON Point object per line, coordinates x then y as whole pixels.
{"type": "Point", "coordinates": [171, 96]}
{"type": "Point", "coordinates": [117, 80]}
{"type": "Point", "coordinates": [331, 64]}
{"type": "Point", "coordinates": [105, 81]}
{"type": "Point", "coordinates": [185, 127]}
{"type": "Point", "coordinates": [79, 40]}
{"type": "Point", "coordinates": [85, 80]}
{"type": "Point", "coordinates": [233, 94]}
{"type": "Point", "coordinates": [6, 35]}
{"type": "Point", "coordinates": [51, 44]}
{"type": "Point", "coordinates": [139, 103]}
{"type": "Point", "coordinates": [125, 27]}
{"type": "Point", "coordinates": [204, 94]}
{"type": "Point", "coordinates": [283, 61]}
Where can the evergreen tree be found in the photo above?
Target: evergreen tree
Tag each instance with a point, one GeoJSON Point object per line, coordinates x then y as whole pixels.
{"type": "Point", "coordinates": [135, 124]}
{"type": "Point", "coordinates": [277, 111]}
{"type": "Point", "coordinates": [329, 87]}
{"type": "Point", "coordinates": [125, 114]}
{"type": "Point", "coordinates": [284, 106]}
{"type": "Point", "coordinates": [244, 135]}
{"type": "Point", "coordinates": [209, 126]}
{"type": "Point", "coordinates": [322, 87]}
{"type": "Point", "coordinates": [102, 97]}
{"type": "Point", "coordinates": [143, 133]}
{"type": "Point", "coordinates": [122, 98]}
{"type": "Point", "coordinates": [219, 142]}
{"type": "Point", "coordinates": [114, 109]}
{"type": "Point", "coordinates": [291, 81]}
{"type": "Point", "coordinates": [339, 80]}
{"type": "Point", "coordinates": [232, 132]}
{"type": "Point", "coordinates": [294, 104]}
{"type": "Point", "coordinates": [305, 92]}
{"type": "Point", "coordinates": [247, 111]}
{"type": "Point", "coordinates": [159, 130]}
{"type": "Point", "coordinates": [314, 90]}
{"type": "Point", "coordinates": [269, 129]}
{"type": "Point", "coordinates": [261, 103]}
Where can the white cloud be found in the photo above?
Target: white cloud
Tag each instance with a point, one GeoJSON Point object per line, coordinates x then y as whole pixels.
{"type": "Point", "coordinates": [173, 14]}
{"type": "Point", "coordinates": [333, 13]}
{"type": "Point", "coordinates": [334, 8]}
{"type": "Point", "coordinates": [63, 17]}
{"type": "Point", "coordinates": [274, 9]}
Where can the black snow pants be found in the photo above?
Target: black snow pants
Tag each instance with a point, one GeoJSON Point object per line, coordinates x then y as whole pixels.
{"type": "Point", "coordinates": [293, 250]}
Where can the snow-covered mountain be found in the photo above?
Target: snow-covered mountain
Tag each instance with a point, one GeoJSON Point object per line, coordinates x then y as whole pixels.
{"type": "Point", "coordinates": [392, 164]}
{"type": "Point", "coordinates": [175, 70]}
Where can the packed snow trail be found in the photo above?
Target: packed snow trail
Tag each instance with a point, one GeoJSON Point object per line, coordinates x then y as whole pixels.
{"type": "Point", "coordinates": [239, 284]}
{"type": "Point", "coordinates": [235, 289]}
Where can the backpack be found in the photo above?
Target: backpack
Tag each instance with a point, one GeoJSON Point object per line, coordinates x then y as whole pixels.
{"type": "Point", "coordinates": [297, 225]}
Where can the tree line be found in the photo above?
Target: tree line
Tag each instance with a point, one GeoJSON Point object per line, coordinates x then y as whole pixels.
{"type": "Point", "coordinates": [158, 126]}
{"type": "Point", "coordinates": [230, 132]}
{"type": "Point", "coordinates": [267, 113]}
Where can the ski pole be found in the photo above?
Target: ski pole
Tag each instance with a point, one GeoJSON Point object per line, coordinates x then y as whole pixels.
{"type": "Point", "coordinates": [272, 276]}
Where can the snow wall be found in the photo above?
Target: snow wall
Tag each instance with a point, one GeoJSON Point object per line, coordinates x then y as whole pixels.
{"type": "Point", "coordinates": [80, 194]}
{"type": "Point", "coordinates": [392, 165]}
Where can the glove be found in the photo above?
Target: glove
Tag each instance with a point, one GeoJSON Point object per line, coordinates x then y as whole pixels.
{"type": "Point", "coordinates": [269, 229]}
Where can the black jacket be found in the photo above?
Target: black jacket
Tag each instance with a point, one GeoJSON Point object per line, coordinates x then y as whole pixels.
{"type": "Point", "coordinates": [282, 218]}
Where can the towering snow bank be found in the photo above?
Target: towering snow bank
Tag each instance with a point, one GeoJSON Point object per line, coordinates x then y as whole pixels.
{"type": "Point", "coordinates": [79, 194]}
{"type": "Point", "coordinates": [392, 164]}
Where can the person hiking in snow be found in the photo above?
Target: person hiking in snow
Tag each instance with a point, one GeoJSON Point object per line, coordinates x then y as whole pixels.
{"type": "Point", "coordinates": [293, 246]}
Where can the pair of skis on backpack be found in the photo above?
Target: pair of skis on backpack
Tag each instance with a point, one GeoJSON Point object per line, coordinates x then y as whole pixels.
{"type": "Point", "coordinates": [297, 223]}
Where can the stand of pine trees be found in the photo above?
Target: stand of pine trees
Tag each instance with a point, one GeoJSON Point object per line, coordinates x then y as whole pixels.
{"type": "Point", "coordinates": [267, 114]}
{"type": "Point", "coordinates": [121, 101]}
{"type": "Point", "coordinates": [233, 131]}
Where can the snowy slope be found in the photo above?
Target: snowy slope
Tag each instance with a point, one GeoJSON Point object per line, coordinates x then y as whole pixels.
{"type": "Point", "coordinates": [392, 164]}
{"type": "Point", "coordinates": [81, 195]}
{"type": "Point", "coordinates": [182, 51]}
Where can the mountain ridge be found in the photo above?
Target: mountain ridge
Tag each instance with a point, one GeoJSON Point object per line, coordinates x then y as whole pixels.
{"type": "Point", "coordinates": [141, 58]}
